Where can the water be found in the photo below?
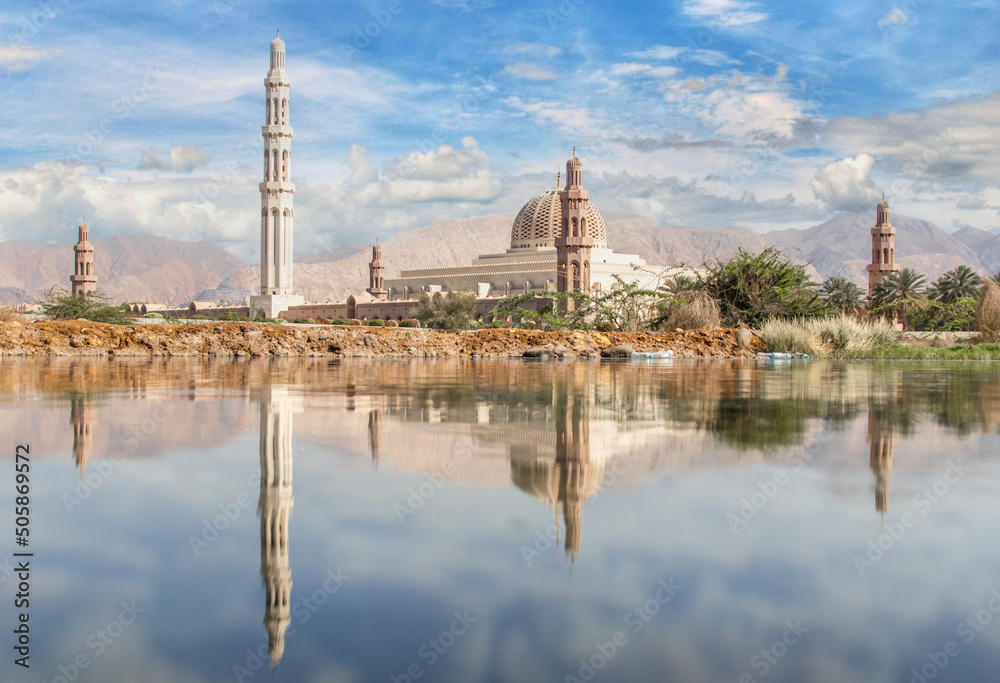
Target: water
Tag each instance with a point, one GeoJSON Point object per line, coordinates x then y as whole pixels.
{"type": "Point", "coordinates": [506, 521]}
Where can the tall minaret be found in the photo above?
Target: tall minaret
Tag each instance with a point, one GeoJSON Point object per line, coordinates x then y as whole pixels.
{"type": "Point", "coordinates": [376, 274]}
{"type": "Point", "coordinates": [275, 508]}
{"type": "Point", "coordinates": [81, 415]}
{"type": "Point", "coordinates": [883, 247]}
{"type": "Point", "coordinates": [574, 242]}
{"type": "Point", "coordinates": [84, 276]}
{"type": "Point", "coordinates": [276, 193]}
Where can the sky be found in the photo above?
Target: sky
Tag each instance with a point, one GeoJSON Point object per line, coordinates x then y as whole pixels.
{"type": "Point", "coordinates": [145, 117]}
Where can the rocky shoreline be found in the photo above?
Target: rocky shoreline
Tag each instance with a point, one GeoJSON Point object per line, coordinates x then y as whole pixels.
{"type": "Point", "coordinates": [244, 339]}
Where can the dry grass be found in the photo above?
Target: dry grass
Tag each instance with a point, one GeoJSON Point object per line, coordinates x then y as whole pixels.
{"type": "Point", "coordinates": [698, 312]}
{"type": "Point", "coordinates": [988, 311]}
{"type": "Point", "coordinates": [826, 336]}
{"type": "Point", "coordinates": [8, 315]}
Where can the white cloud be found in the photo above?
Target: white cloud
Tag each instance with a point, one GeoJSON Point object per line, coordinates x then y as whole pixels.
{"type": "Point", "coordinates": [530, 72]}
{"type": "Point", "coordinates": [747, 107]}
{"type": "Point", "coordinates": [664, 52]}
{"type": "Point", "coordinates": [955, 145]}
{"type": "Point", "coordinates": [635, 68]}
{"type": "Point", "coordinates": [728, 13]}
{"type": "Point", "coordinates": [18, 58]}
{"type": "Point", "coordinates": [180, 159]}
{"type": "Point", "coordinates": [531, 49]}
{"type": "Point", "coordinates": [845, 185]}
{"type": "Point", "coordinates": [896, 16]}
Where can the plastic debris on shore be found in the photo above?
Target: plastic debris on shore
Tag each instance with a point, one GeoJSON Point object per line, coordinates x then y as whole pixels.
{"type": "Point", "coordinates": [652, 355]}
{"type": "Point", "coordinates": [777, 355]}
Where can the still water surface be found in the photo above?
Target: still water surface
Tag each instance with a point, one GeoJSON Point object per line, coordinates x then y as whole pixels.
{"type": "Point", "coordinates": [309, 520]}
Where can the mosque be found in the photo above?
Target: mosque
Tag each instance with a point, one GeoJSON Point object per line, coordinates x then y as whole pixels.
{"type": "Point", "coordinates": [558, 243]}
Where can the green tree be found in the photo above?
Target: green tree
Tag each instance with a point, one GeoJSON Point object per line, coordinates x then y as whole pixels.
{"type": "Point", "coordinates": [450, 312]}
{"type": "Point", "coordinates": [842, 294]}
{"type": "Point", "coordinates": [751, 288]}
{"type": "Point", "coordinates": [901, 294]}
{"type": "Point", "coordinates": [958, 283]}
{"type": "Point", "coordinates": [62, 305]}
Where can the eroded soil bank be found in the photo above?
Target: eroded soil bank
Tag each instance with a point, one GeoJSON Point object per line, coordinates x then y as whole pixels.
{"type": "Point", "coordinates": [229, 339]}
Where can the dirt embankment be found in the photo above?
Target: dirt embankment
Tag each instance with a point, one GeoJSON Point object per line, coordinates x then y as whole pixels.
{"type": "Point", "coordinates": [227, 339]}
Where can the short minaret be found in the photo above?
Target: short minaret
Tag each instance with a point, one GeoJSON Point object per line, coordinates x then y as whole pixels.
{"type": "Point", "coordinates": [81, 415]}
{"type": "Point", "coordinates": [574, 242]}
{"type": "Point", "coordinates": [276, 193]}
{"type": "Point", "coordinates": [376, 274]}
{"type": "Point", "coordinates": [275, 509]}
{"type": "Point", "coordinates": [883, 247]}
{"type": "Point", "coordinates": [84, 278]}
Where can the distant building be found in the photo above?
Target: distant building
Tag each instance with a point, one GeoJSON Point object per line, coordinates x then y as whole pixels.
{"type": "Point", "coordinates": [84, 278]}
{"type": "Point", "coordinates": [883, 247]}
{"type": "Point", "coordinates": [376, 274]}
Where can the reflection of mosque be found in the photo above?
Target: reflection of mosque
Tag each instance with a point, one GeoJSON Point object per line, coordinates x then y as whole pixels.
{"type": "Point", "coordinates": [573, 475]}
{"type": "Point", "coordinates": [275, 509]}
{"type": "Point", "coordinates": [881, 437]}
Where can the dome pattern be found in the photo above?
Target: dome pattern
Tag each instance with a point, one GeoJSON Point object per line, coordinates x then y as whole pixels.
{"type": "Point", "coordinates": [539, 222]}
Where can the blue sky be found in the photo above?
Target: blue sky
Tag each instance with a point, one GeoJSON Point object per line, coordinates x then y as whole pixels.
{"type": "Point", "coordinates": [145, 117]}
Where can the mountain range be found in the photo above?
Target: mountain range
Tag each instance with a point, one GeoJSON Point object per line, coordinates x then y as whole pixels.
{"type": "Point", "coordinates": [161, 270]}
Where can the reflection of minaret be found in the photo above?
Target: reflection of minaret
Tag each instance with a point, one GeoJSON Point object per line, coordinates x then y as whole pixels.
{"type": "Point", "coordinates": [275, 509]}
{"type": "Point", "coordinates": [81, 414]}
{"type": "Point", "coordinates": [880, 460]}
{"type": "Point", "coordinates": [375, 434]}
{"type": "Point", "coordinates": [574, 475]}
{"type": "Point", "coordinates": [573, 465]}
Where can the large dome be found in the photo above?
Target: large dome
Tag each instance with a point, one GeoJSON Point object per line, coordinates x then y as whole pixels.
{"type": "Point", "coordinates": [539, 222]}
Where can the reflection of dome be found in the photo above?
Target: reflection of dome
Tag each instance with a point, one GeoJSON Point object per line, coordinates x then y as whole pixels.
{"type": "Point", "coordinates": [540, 221]}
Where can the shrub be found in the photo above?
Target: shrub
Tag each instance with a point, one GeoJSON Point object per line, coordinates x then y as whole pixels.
{"type": "Point", "coordinates": [409, 322]}
{"type": "Point", "coordinates": [8, 314]}
{"type": "Point", "coordinates": [826, 336]}
{"type": "Point", "coordinates": [450, 312]}
{"type": "Point", "coordinates": [697, 310]}
{"type": "Point", "coordinates": [199, 316]}
{"type": "Point", "coordinates": [376, 323]}
{"type": "Point", "coordinates": [391, 323]}
{"type": "Point", "coordinates": [752, 288]}
{"type": "Point", "coordinates": [340, 321]}
{"type": "Point", "coordinates": [988, 311]}
{"type": "Point", "coordinates": [155, 316]}
{"type": "Point", "coordinates": [354, 321]}
{"type": "Point", "coordinates": [62, 305]}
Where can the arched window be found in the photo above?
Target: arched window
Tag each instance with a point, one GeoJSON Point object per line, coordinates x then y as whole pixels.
{"type": "Point", "coordinates": [274, 165]}
{"type": "Point", "coordinates": [268, 118]}
{"type": "Point", "coordinates": [276, 231]}
{"type": "Point", "coordinates": [266, 158]}
{"type": "Point", "coordinates": [892, 255]}
{"type": "Point", "coordinates": [284, 112]}
{"type": "Point", "coordinates": [885, 255]}
{"type": "Point", "coordinates": [275, 110]}
{"type": "Point", "coordinates": [575, 284]}
{"type": "Point", "coordinates": [284, 165]}
{"type": "Point", "coordinates": [286, 232]}
{"type": "Point", "coordinates": [575, 227]}
{"type": "Point", "coordinates": [88, 269]}
{"type": "Point", "coordinates": [583, 227]}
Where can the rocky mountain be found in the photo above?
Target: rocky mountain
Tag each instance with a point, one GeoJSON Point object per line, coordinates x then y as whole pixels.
{"type": "Point", "coordinates": [155, 269]}
{"type": "Point", "coordinates": [129, 268]}
{"type": "Point", "coordinates": [842, 246]}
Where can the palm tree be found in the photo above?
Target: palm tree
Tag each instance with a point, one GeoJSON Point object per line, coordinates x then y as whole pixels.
{"type": "Point", "coordinates": [842, 294]}
{"type": "Point", "coordinates": [899, 293]}
{"type": "Point", "coordinates": [956, 284]}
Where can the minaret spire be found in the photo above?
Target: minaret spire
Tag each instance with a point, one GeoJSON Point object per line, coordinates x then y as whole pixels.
{"type": "Point", "coordinates": [84, 278]}
{"type": "Point", "coordinates": [276, 192]}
